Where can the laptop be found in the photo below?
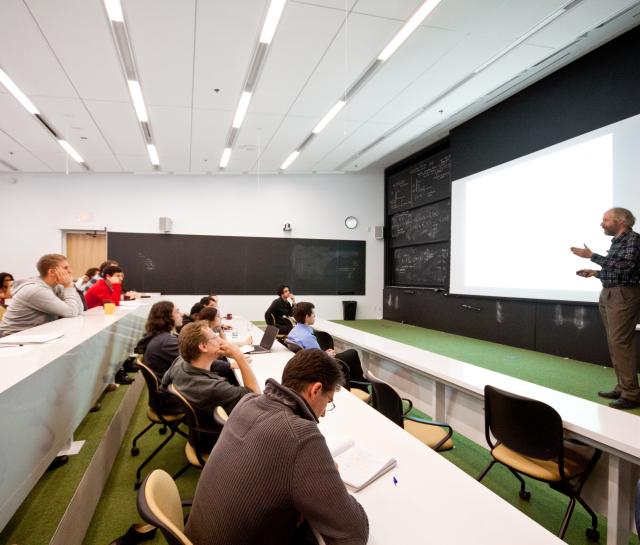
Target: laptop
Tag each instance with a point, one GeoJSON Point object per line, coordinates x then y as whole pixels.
{"type": "Point", "coordinates": [267, 341]}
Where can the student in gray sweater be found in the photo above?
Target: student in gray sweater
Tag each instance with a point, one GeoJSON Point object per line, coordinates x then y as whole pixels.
{"type": "Point", "coordinates": [40, 300]}
{"type": "Point", "coordinates": [271, 477]}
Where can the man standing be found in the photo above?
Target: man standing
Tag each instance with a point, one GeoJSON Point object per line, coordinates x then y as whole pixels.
{"type": "Point", "coordinates": [270, 477]}
{"type": "Point", "coordinates": [619, 301]}
{"type": "Point", "coordinates": [43, 299]}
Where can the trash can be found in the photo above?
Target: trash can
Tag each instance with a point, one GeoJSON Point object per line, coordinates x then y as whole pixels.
{"type": "Point", "coordinates": [349, 310]}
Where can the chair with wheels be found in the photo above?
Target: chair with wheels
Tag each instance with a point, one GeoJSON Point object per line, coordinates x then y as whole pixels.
{"type": "Point", "coordinates": [436, 435]}
{"type": "Point", "coordinates": [356, 387]}
{"type": "Point", "coordinates": [200, 440]}
{"type": "Point", "coordinates": [527, 437]}
{"type": "Point", "coordinates": [156, 416]}
{"type": "Point", "coordinates": [294, 347]}
{"type": "Point", "coordinates": [159, 504]}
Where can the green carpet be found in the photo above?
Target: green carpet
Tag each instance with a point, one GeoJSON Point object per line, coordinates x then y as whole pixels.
{"type": "Point", "coordinates": [573, 377]}
{"type": "Point", "coordinates": [35, 522]}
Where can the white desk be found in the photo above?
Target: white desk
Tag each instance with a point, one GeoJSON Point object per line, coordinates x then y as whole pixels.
{"type": "Point", "coordinates": [615, 432]}
{"type": "Point", "coordinates": [46, 390]}
{"type": "Point", "coordinates": [433, 499]}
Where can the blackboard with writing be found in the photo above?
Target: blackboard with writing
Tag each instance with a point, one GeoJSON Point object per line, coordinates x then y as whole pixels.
{"type": "Point", "coordinates": [196, 264]}
{"type": "Point", "coordinates": [424, 182]}
{"type": "Point", "coordinates": [430, 223]}
{"type": "Point", "coordinates": [426, 265]}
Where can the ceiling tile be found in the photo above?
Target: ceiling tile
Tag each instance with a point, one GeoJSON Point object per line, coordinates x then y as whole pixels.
{"type": "Point", "coordinates": [23, 127]}
{"type": "Point", "coordinates": [135, 163]}
{"type": "Point", "coordinates": [172, 136]}
{"type": "Point", "coordinates": [118, 125]}
{"type": "Point", "coordinates": [208, 135]}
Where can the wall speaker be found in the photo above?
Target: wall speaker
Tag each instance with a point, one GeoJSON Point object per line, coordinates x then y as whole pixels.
{"type": "Point", "coordinates": [379, 232]}
{"type": "Point", "coordinates": [165, 225]}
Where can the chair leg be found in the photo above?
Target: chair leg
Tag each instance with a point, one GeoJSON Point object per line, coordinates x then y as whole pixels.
{"type": "Point", "coordinates": [567, 517]}
{"type": "Point", "coordinates": [135, 450]}
{"type": "Point", "coordinates": [486, 470]}
{"type": "Point", "coordinates": [149, 458]}
{"type": "Point", "coordinates": [526, 496]}
{"type": "Point", "coordinates": [594, 517]}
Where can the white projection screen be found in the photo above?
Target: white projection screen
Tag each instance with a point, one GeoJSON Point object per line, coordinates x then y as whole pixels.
{"type": "Point", "coordinates": [512, 225]}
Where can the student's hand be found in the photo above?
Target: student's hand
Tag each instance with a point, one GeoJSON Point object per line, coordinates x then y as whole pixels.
{"type": "Point", "coordinates": [133, 295]}
{"type": "Point", "coordinates": [231, 350]}
{"type": "Point", "coordinates": [63, 277]}
{"type": "Point", "coordinates": [587, 273]}
{"type": "Point", "coordinates": [582, 252]}
{"type": "Point", "coordinates": [293, 298]}
{"type": "Point", "coordinates": [331, 352]}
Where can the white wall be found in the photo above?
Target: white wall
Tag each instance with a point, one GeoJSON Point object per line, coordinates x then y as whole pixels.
{"type": "Point", "coordinates": [37, 206]}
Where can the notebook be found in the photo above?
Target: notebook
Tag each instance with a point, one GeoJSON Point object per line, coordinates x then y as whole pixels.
{"type": "Point", "coordinates": [265, 344]}
{"type": "Point", "coordinates": [358, 467]}
{"type": "Point", "coordinates": [31, 338]}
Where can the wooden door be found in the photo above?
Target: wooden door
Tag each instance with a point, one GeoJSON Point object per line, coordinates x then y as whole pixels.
{"type": "Point", "coordinates": [85, 250]}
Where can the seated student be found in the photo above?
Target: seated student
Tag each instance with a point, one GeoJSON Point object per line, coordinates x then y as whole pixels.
{"type": "Point", "coordinates": [160, 344]}
{"type": "Point", "coordinates": [302, 334]}
{"type": "Point", "coordinates": [107, 289]}
{"type": "Point", "coordinates": [209, 301]}
{"type": "Point", "coordinates": [40, 300]}
{"type": "Point", "coordinates": [192, 374]}
{"type": "Point", "coordinates": [6, 283]}
{"type": "Point", "coordinates": [211, 315]}
{"type": "Point", "coordinates": [271, 476]}
{"type": "Point", "coordinates": [281, 308]}
{"type": "Point", "coordinates": [86, 277]}
{"type": "Point", "coordinates": [98, 275]}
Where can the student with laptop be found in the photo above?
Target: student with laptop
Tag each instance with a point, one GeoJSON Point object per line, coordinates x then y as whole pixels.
{"type": "Point", "coordinates": [50, 296]}
{"type": "Point", "coordinates": [302, 335]}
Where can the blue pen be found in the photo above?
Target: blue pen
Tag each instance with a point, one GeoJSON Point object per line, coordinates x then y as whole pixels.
{"type": "Point", "coordinates": [395, 482]}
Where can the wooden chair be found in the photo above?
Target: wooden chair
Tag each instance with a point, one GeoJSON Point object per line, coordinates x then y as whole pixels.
{"type": "Point", "coordinates": [529, 440]}
{"type": "Point", "coordinates": [159, 504]}
{"type": "Point", "coordinates": [436, 435]}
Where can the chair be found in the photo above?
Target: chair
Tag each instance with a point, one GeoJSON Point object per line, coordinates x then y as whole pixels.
{"type": "Point", "coordinates": [354, 386]}
{"type": "Point", "coordinates": [270, 319]}
{"type": "Point", "coordinates": [159, 504]}
{"type": "Point", "coordinates": [325, 340]}
{"type": "Point", "coordinates": [638, 509]}
{"type": "Point", "coordinates": [156, 416]}
{"type": "Point", "coordinates": [529, 440]}
{"type": "Point", "coordinates": [436, 435]}
{"type": "Point", "coordinates": [292, 346]}
{"type": "Point", "coordinates": [194, 449]}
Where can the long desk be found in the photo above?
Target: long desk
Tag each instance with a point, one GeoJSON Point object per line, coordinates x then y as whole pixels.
{"type": "Point", "coordinates": [47, 389]}
{"type": "Point", "coordinates": [432, 499]}
{"type": "Point", "coordinates": [615, 432]}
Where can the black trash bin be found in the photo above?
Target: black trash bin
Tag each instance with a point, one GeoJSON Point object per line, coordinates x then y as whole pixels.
{"type": "Point", "coordinates": [349, 310]}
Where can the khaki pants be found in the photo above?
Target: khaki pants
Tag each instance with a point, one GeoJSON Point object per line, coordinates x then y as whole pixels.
{"type": "Point", "coordinates": [619, 309]}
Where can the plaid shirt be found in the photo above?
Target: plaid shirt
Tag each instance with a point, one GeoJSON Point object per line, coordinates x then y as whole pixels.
{"type": "Point", "coordinates": [621, 266]}
{"type": "Point", "coordinates": [90, 283]}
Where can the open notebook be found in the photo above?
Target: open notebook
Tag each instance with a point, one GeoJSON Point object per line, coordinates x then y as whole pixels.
{"type": "Point", "coordinates": [358, 467]}
{"type": "Point", "coordinates": [31, 338]}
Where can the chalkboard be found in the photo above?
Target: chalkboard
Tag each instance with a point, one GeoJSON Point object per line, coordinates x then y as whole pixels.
{"type": "Point", "coordinates": [424, 182]}
{"type": "Point", "coordinates": [193, 264]}
{"type": "Point", "coordinates": [426, 265]}
{"type": "Point", "coordinates": [431, 223]}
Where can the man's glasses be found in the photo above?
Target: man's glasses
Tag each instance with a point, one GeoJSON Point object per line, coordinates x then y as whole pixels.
{"type": "Point", "coordinates": [330, 406]}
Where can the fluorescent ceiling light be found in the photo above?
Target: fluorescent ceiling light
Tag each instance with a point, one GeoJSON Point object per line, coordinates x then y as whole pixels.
{"type": "Point", "coordinates": [245, 98]}
{"type": "Point", "coordinates": [271, 21]}
{"type": "Point", "coordinates": [226, 155]}
{"type": "Point", "coordinates": [330, 115]}
{"type": "Point", "coordinates": [153, 155]}
{"type": "Point", "coordinates": [408, 29]}
{"type": "Point", "coordinates": [17, 93]}
{"type": "Point", "coordinates": [290, 160]}
{"type": "Point", "coordinates": [138, 101]}
{"type": "Point", "coordinates": [74, 154]}
{"type": "Point", "coordinates": [114, 10]}
{"type": "Point", "coordinates": [521, 39]}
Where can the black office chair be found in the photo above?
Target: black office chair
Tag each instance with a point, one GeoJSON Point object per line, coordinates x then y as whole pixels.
{"type": "Point", "coordinates": [292, 346]}
{"type": "Point", "coordinates": [270, 319]}
{"type": "Point", "coordinates": [358, 388]}
{"type": "Point", "coordinates": [159, 504]}
{"type": "Point", "coordinates": [200, 439]}
{"type": "Point", "coordinates": [325, 340]}
{"type": "Point", "coordinates": [436, 435]}
{"type": "Point", "coordinates": [529, 439]}
{"type": "Point", "coordinates": [156, 416]}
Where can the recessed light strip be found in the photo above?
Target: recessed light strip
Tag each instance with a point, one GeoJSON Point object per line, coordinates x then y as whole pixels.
{"type": "Point", "coordinates": [408, 28]}
{"type": "Point", "coordinates": [127, 62]}
{"type": "Point", "coordinates": [17, 93]}
{"type": "Point", "coordinates": [73, 153]}
{"type": "Point", "coordinates": [290, 160]}
{"type": "Point", "coordinates": [271, 21]}
{"type": "Point", "coordinates": [329, 116]}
